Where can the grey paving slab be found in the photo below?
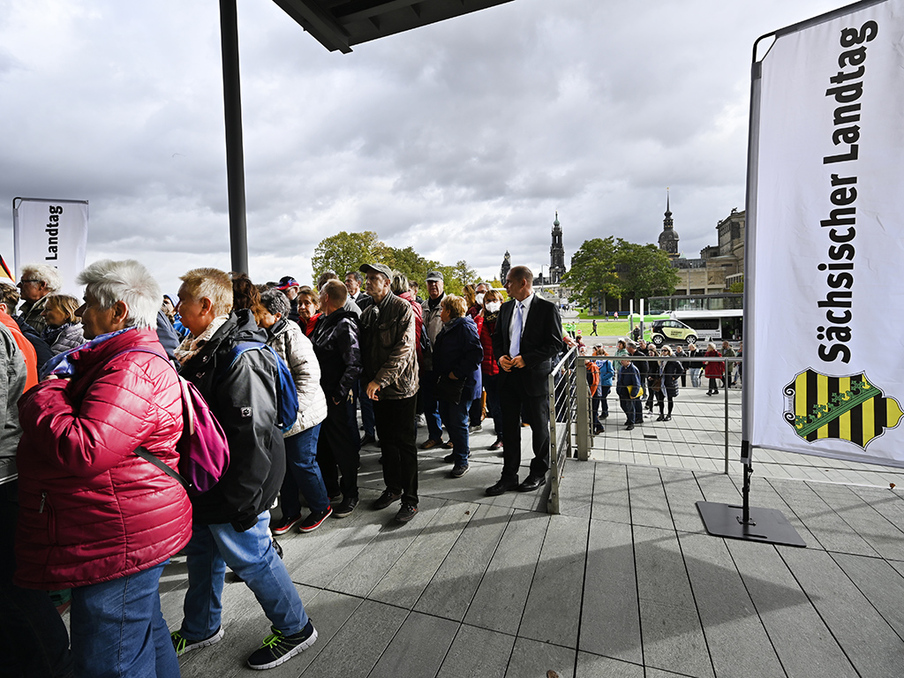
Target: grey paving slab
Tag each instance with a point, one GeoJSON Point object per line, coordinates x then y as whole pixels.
{"type": "Point", "coordinates": [670, 624]}
{"type": "Point", "coordinates": [418, 649]}
{"type": "Point", "coordinates": [880, 583]}
{"type": "Point", "coordinates": [500, 598]}
{"type": "Point", "coordinates": [682, 494]}
{"type": "Point", "coordinates": [804, 644]}
{"type": "Point", "coordinates": [727, 612]}
{"type": "Point", "coordinates": [553, 609]}
{"type": "Point", "coordinates": [610, 494]}
{"type": "Point", "coordinates": [576, 494]}
{"type": "Point", "coordinates": [533, 658]}
{"type": "Point", "coordinates": [360, 576]}
{"type": "Point", "coordinates": [595, 666]}
{"type": "Point", "coordinates": [673, 638]}
{"type": "Point", "coordinates": [867, 639]}
{"type": "Point", "coordinates": [450, 591]}
{"type": "Point", "coordinates": [610, 614]}
{"type": "Point", "coordinates": [823, 523]}
{"type": "Point", "coordinates": [369, 631]}
{"type": "Point", "coordinates": [404, 582]}
{"type": "Point", "coordinates": [477, 653]}
{"type": "Point", "coordinates": [884, 537]}
{"type": "Point", "coordinates": [648, 503]}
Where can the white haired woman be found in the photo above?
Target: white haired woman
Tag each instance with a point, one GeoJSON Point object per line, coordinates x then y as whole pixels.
{"type": "Point", "coordinates": [37, 281]}
{"type": "Point", "coordinates": [94, 516]}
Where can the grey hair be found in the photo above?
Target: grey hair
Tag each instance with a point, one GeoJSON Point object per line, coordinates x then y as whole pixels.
{"type": "Point", "coordinates": [631, 344]}
{"type": "Point", "coordinates": [45, 273]}
{"type": "Point", "coordinates": [128, 281]}
{"type": "Point", "coordinates": [399, 283]}
{"type": "Point", "coordinates": [276, 302]}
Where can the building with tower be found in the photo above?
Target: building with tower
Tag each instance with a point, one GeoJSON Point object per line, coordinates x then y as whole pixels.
{"type": "Point", "coordinates": [668, 239]}
{"type": "Point", "coordinates": [556, 254]}
{"type": "Point", "coordinates": [506, 265]}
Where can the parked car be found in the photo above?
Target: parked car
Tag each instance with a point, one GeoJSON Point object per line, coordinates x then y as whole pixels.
{"type": "Point", "coordinates": [672, 331]}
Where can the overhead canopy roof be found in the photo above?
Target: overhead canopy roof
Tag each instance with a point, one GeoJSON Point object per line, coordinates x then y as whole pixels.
{"type": "Point", "coordinates": [339, 24]}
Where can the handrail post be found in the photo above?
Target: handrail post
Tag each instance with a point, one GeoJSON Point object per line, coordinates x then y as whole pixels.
{"type": "Point", "coordinates": [583, 415]}
{"type": "Point", "coordinates": [552, 504]}
{"type": "Point", "coordinates": [725, 391]}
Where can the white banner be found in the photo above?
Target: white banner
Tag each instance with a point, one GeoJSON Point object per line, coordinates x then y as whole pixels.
{"type": "Point", "coordinates": [825, 301]}
{"type": "Point", "coordinates": [53, 232]}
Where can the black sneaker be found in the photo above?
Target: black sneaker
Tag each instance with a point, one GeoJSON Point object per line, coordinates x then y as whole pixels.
{"type": "Point", "coordinates": [314, 520]}
{"type": "Point", "coordinates": [388, 497]}
{"type": "Point", "coordinates": [406, 513]}
{"type": "Point", "coordinates": [458, 471]}
{"type": "Point", "coordinates": [346, 508]}
{"type": "Point", "coordinates": [278, 648]}
{"type": "Point", "coordinates": [284, 525]}
{"type": "Point", "coordinates": [450, 458]}
{"type": "Point", "coordinates": [182, 644]}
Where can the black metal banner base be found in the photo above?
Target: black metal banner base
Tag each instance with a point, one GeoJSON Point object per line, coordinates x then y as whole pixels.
{"type": "Point", "coordinates": [766, 525]}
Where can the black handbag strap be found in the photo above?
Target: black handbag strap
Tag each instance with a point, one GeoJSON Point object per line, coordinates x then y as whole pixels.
{"type": "Point", "coordinates": [144, 454]}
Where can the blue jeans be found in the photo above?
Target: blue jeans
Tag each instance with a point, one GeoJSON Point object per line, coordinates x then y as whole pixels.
{"type": "Point", "coordinates": [456, 418]}
{"type": "Point", "coordinates": [431, 407]}
{"type": "Point", "coordinates": [303, 473]}
{"type": "Point", "coordinates": [251, 556]}
{"type": "Point", "coordinates": [491, 385]}
{"type": "Point", "coordinates": [118, 629]}
{"type": "Point", "coordinates": [367, 410]}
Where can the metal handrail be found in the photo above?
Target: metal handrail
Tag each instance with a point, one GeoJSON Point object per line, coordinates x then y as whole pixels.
{"type": "Point", "coordinates": [560, 448]}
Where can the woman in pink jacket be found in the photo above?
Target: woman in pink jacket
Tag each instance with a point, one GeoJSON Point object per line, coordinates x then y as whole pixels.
{"type": "Point", "coordinates": [94, 516]}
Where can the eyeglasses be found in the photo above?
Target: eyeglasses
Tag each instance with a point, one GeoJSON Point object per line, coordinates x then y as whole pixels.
{"type": "Point", "coordinates": [30, 280]}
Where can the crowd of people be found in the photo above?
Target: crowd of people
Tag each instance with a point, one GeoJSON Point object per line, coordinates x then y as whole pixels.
{"type": "Point", "coordinates": [94, 391]}
{"type": "Point", "coordinates": [656, 376]}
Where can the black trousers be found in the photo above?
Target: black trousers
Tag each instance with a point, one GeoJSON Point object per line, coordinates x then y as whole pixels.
{"type": "Point", "coordinates": [338, 450]}
{"type": "Point", "coordinates": [395, 426]}
{"type": "Point", "coordinates": [512, 398]}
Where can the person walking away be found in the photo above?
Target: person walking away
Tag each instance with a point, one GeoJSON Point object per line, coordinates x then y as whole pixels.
{"type": "Point", "coordinates": [231, 520]}
{"type": "Point", "coordinates": [671, 371]}
{"type": "Point", "coordinates": [302, 470]}
{"type": "Point", "coordinates": [712, 369]}
{"type": "Point", "coordinates": [727, 352]}
{"type": "Point", "coordinates": [629, 390]}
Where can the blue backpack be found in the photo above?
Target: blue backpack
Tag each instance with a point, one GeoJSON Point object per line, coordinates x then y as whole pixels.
{"type": "Point", "coordinates": [286, 393]}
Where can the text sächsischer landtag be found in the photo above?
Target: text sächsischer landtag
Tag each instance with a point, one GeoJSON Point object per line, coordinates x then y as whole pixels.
{"type": "Point", "coordinates": [846, 89]}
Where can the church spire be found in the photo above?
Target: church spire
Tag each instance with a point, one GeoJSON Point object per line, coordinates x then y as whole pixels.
{"type": "Point", "coordinates": [668, 239]}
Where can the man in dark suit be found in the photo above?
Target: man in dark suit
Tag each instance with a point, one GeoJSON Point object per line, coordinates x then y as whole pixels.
{"type": "Point", "coordinates": [527, 340]}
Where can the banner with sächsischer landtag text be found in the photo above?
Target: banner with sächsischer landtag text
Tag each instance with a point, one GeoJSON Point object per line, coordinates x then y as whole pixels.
{"type": "Point", "coordinates": [53, 232]}
{"type": "Point", "coordinates": [825, 303]}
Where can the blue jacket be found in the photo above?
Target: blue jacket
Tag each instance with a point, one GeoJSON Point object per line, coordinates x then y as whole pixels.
{"type": "Point", "coordinates": [457, 349]}
{"type": "Point", "coordinates": [607, 374]}
{"type": "Point", "coordinates": [629, 385]}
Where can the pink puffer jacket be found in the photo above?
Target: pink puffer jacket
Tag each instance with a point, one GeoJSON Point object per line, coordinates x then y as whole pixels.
{"type": "Point", "coordinates": [91, 510]}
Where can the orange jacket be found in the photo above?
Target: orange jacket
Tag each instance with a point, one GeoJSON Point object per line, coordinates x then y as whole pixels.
{"type": "Point", "coordinates": [28, 351]}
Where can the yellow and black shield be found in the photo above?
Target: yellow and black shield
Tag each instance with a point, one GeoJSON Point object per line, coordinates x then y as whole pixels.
{"type": "Point", "coordinates": [845, 408]}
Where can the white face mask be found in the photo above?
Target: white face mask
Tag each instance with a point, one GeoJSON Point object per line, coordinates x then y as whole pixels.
{"type": "Point", "coordinates": [493, 306]}
{"type": "Point", "coordinates": [479, 298]}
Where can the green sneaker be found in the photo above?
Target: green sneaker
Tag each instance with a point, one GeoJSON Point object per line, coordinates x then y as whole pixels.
{"type": "Point", "coordinates": [183, 644]}
{"type": "Point", "coordinates": [279, 648]}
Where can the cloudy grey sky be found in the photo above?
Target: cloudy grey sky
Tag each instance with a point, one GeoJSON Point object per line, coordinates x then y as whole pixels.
{"type": "Point", "coordinates": [460, 139]}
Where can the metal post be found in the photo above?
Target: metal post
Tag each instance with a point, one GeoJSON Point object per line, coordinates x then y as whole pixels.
{"type": "Point", "coordinates": [583, 423]}
{"type": "Point", "coordinates": [235, 156]}
{"type": "Point", "coordinates": [552, 504]}
{"type": "Point", "coordinates": [725, 391]}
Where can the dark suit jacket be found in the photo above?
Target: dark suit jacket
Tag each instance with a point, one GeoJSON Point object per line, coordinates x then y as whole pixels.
{"type": "Point", "coordinates": [541, 343]}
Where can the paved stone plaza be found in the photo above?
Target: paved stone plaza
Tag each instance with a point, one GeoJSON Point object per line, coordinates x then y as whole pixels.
{"type": "Point", "coordinates": [624, 583]}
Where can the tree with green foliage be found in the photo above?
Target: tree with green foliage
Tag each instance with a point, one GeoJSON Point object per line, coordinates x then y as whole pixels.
{"type": "Point", "coordinates": [345, 252]}
{"type": "Point", "coordinates": [737, 287]}
{"type": "Point", "coordinates": [592, 274]}
{"type": "Point", "coordinates": [645, 271]}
